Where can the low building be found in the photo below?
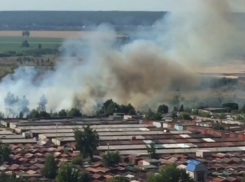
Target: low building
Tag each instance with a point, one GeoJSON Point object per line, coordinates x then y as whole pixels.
{"type": "Point", "coordinates": [197, 170]}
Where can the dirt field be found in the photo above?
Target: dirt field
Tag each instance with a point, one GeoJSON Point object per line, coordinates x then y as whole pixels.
{"type": "Point", "coordinates": [233, 68]}
{"type": "Point", "coordinates": [49, 34]}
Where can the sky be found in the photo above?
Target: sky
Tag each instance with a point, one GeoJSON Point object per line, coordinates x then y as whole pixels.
{"type": "Point", "coordinates": [71, 5]}
{"type": "Point", "coordinates": [103, 5]}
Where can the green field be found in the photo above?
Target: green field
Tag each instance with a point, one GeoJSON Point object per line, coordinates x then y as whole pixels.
{"type": "Point", "coordinates": [8, 43]}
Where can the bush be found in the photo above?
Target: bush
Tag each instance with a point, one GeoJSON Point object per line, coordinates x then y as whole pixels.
{"type": "Point", "coordinates": [77, 160]}
{"type": "Point", "coordinates": [4, 55]}
{"type": "Point", "coordinates": [230, 106]}
{"type": "Point", "coordinates": [162, 109]}
{"type": "Point", "coordinates": [4, 153]}
{"type": "Point", "coordinates": [50, 167]}
{"type": "Point", "coordinates": [185, 116]}
{"type": "Point", "coordinates": [69, 173]}
{"type": "Point", "coordinates": [110, 159]}
{"type": "Point", "coordinates": [218, 126]}
{"type": "Point", "coordinates": [153, 116]}
{"type": "Point", "coordinates": [25, 43]}
{"type": "Point", "coordinates": [118, 179]}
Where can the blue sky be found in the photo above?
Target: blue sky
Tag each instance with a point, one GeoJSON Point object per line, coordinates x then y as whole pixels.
{"type": "Point", "coordinates": [138, 5]}
{"type": "Point", "coordinates": [104, 5]}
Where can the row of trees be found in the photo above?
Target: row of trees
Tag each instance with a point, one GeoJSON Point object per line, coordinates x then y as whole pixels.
{"type": "Point", "coordinates": [19, 107]}
{"type": "Point", "coordinates": [73, 112]}
{"type": "Point", "coordinates": [15, 105]}
{"type": "Point", "coordinates": [162, 109]}
{"type": "Point", "coordinates": [26, 33]}
{"type": "Point", "coordinates": [110, 107]}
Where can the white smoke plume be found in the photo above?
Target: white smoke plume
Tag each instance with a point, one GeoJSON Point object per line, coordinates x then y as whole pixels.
{"type": "Point", "coordinates": [139, 72]}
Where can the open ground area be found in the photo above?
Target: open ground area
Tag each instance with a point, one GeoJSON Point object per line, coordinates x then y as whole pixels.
{"type": "Point", "coordinates": [47, 34]}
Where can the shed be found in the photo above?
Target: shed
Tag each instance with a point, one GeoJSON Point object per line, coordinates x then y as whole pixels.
{"type": "Point", "coordinates": [196, 170]}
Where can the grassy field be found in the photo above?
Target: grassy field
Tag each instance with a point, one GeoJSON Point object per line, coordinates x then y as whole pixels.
{"type": "Point", "coordinates": [13, 43]}
{"type": "Point", "coordinates": [12, 40]}
{"type": "Point", "coordinates": [46, 34]}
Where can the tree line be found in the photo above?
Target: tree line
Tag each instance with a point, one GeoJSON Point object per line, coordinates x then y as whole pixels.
{"type": "Point", "coordinates": [75, 20]}
{"type": "Point", "coordinates": [19, 107]}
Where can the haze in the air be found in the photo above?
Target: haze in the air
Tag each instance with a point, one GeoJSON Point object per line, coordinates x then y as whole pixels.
{"type": "Point", "coordinates": [103, 5]}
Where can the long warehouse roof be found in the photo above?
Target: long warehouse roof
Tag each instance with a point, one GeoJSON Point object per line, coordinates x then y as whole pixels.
{"type": "Point", "coordinates": [98, 130]}
{"type": "Point", "coordinates": [179, 151]}
{"type": "Point", "coordinates": [81, 126]}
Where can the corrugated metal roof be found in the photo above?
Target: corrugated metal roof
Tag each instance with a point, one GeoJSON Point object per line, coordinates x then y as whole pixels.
{"type": "Point", "coordinates": [81, 126]}
{"type": "Point", "coordinates": [208, 140]}
{"type": "Point", "coordinates": [185, 136]}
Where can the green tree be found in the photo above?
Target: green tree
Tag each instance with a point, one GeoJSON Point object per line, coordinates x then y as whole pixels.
{"type": "Point", "coordinates": [28, 33]}
{"type": "Point", "coordinates": [4, 153]}
{"type": "Point", "coordinates": [195, 112]}
{"type": "Point", "coordinates": [111, 158]}
{"type": "Point", "coordinates": [50, 167]}
{"type": "Point", "coordinates": [151, 150]}
{"type": "Point", "coordinates": [163, 109]}
{"type": "Point", "coordinates": [78, 160]}
{"type": "Point", "coordinates": [126, 109]}
{"type": "Point", "coordinates": [74, 112]}
{"type": "Point", "coordinates": [110, 107]}
{"type": "Point", "coordinates": [113, 107]}
{"type": "Point", "coordinates": [10, 178]}
{"type": "Point", "coordinates": [239, 117]}
{"type": "Point", "coordinates": [69, 173]}
{"type": "Point", "coordinates": [62, 113]}
{"type": "Point", "coordinates": [25, 43]}
{"type": "Point", "coordinates": [1, 115]}
{"type": "Point", "coordinates": [150, 115]}
{"type": "Point", "coordinates": [170, 173]}
{"type": "Point", "coordinates": [54, 115]}
{"type": "Point", "coordinates": [185, 116]}
{"type": "Point", "coordinates": [87, 141]}
{"type": "Point", "coordinates": [221, 116]}
{"type": "Point", "coordinates": [44, 114]}
{"type": "Point", "coordinates": [118, 179]}
{"type": "Point", "coordinates": [181, 109]}
{"type": "Point", "coordinates": [243, 109]}
{"type": "Point", "coordinates": [243, 180]}
{"type": "Point", "coordinates": [175, 101]}
{"type": "Point", "coordinates": [39, 46]}
{"type": "Point", "coordinates": [217, 126]}
{"type": "Point", "coordinates": [21, 115]}
{"type": "Point", "coordinates": [231, 106]}
{"type": "Point", "coordinates": [132, 112]}
{"type": "Point", "coordinates": [174, 114]}
{"type": "Point", "coordinates": [33, 114]}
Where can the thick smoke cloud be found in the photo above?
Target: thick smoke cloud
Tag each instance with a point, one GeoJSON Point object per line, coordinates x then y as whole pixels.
{"type": "Point", "coordinates": [141, 71]}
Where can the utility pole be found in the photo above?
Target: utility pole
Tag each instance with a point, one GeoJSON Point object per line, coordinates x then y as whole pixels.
{"type": "Point", "coordinates": [108, 145]}
{"type": "Point", "coordinates": [56, 134]}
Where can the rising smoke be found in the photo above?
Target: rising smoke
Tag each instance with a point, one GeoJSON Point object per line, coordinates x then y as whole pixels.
{"type": "Point", "coordinates": [141, 71]}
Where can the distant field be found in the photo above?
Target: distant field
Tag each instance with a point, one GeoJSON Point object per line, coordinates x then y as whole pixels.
{"type": "Point", "coordinates": [12, 40]}
{"type": "Point", "coordinates": [54, 34]}
{"type": "Point", "coordinates": [13, 43]}
{"type": "Point", "coordinates": [46, 34]}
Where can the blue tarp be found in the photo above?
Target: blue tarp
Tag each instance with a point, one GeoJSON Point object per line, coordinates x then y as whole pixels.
{"type": "Point", "coordinates": [191, 165]}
